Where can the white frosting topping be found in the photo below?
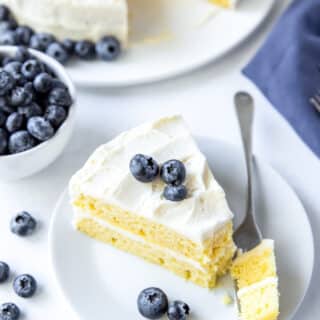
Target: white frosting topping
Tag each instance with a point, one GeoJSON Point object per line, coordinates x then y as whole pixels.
{"type": "Point", "coordinates": [106, 176]}
{"type": "Point", "coordinates": [75, 19]}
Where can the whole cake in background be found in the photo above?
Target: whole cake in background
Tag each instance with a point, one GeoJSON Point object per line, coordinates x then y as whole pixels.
{"type": "Point", "coordinates": [150, 192]}
{"type": "Point", "coordinates": [82, 28]}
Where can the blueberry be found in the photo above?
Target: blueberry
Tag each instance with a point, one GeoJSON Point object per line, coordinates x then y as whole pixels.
{"type": "Point", "coordinates": [84, 49]}
{"type": "Point", "coordinates": [55, 115]}
{"type": "Point", "coordinates": [108, 48]}
{"type": "Point", "coordinates": [152, 303]}
{"type": "Point", "coordinates": [41, 41]}
{"type": "Point", "coordinates": [40, 128]}
{"type": "Point", "coordinates": [175, 193]}
{"type": "Point", "coordinates": [3, 118]}
{"type": "Point", "coordinates": [173, 172]}
{"type": "Point", "coordinates": [144, 168]}
{"type": "Point", "coordinates": [56, 83]}
{"type": "Point", "coordinates": [4, 272]}
{"type": "Point", "coordinates": [5, 107]}
{"type": "Point", "coordinates": [23, 224]}
{"type": "Point", "coordinates": [25, 286]}
{"type": "Point", "coordinates": [7, 26]}
{"type": "Point", "coordinates": [3, 141]}
{"type": "Point", "coordinates": [6, 82]}
{"type": "Point", "coordinates": [178, 310]}
{"type": "Point", "coordinates": [31, 68]}
{"type": "Point", "coordinates": [30, 110]}
{"type": "Point", "coordinates": [24, 35]}
{"type": "Point", "coordinates": [58, 52]}
{"type": "Point", "coordinates": [60, 97]}
{"type": "Point", "coordinates": [6, 60]}
{"type": "Point", "coordinates": [9, 38]}
{"type": "Point", "coordinates": [4, 13]}
{"type": "Point", "coordinates": [14, 122]}
{"type": "Point", "coordinates": [9, 311]}
{"type": "Point", "coordinates": [43, 82]}
{"type": "Point", "coordinates": [69, 45]}
{"type": "Point", "coordinates": [18, 96]}
{"type": "Point", "coordinates": [21, 141]}
{"type": "Point", "coordinates": [14, 68]}
{"type": "Point", "coordinates": [22, 54]}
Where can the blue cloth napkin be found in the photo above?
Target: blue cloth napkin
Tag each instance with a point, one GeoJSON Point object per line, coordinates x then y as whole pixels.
{"type": "Point", "coordinates": [287, 69]}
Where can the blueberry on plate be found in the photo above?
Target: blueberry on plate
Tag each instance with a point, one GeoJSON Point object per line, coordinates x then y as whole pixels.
{"type": "Point", "coordinates": [40, 128]}
{"type": "Point", "coordinates": [14, 68]}
{"type": "Point", "coordinates": [144, 168]}
{"type": "Point", "coordinates": [175, 193]}
{"type": "Point", "coordinates": [4, 272]}
{"type": "Point", "coordinates": [22, 54]}
{"type": "Point", "coordinates": [6, 82]}
{"type": "Point", "coordinates": [84, 49]}
{"type": "Point", "coordinates": [3, 141]}
{"type": "Point", "coordinates": [9, 38]}
{"type": "Point", "coordinates": [31, 68]}
{"type": "Point", "coordinates": [173, 172]}
{"type": "Point", "coordinates": [4, 13]}
{"type": "Point", "coordinates": [24, 34]}
{"type": "Point", "coordinates": [41, 41]}
{"type": "Point", "coordinates": [43, 82]}
{"type": "Point", "coordinates": [69, 45]}
{"type": "Point", "coordinates": [3, 118]}
{"type": "Point", "coordinates": [25, 285]}
{"type": "Point", "coordinates": [23, 224]}
{"type": "Point", "coordinates": [178, 310]}
{"type": "Point", "coordinates": [60, 97]}
{"type": "Point", "coordinates": [14, 122]}
{"type": "Point", "coordinates": [9, 311]}
{"type": "Point", "coordinates": [30, 110]}
{"type": "Point", "coordinates": [55, 115]}
{"type": "Point", "coordinates": [108, 48]}
{"type": "Point", "coordinates": [57, 51]}
{"type": "Point", "coordinates": [152, 303]}
{"type": "Point", "coordinates": [21, 141]}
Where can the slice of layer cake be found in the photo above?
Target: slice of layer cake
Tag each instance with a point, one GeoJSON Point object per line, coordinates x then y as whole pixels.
{"type": "Point", "coordinates": [256, 276]}
{"type": "Point", "coordinates": [192, 237]}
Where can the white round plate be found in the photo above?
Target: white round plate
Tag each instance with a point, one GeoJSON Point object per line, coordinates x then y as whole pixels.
{"type": "Point", "coordinates": [169, 38]}
{"type": "Point", "coordinates": [101, 282]}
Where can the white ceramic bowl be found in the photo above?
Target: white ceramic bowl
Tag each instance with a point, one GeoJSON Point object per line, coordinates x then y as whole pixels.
{"type": "Point", "coordinates": [24, 164]}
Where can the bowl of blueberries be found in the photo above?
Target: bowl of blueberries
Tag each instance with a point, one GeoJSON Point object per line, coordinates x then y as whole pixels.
{"type": "Point", "coordinates": [37, 111]}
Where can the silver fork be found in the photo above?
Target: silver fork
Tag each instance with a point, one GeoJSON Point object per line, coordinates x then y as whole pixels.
{"type": "Point", "coordinates": [248, 234]}
{"type": "Point", "coordinates": [315, 101]}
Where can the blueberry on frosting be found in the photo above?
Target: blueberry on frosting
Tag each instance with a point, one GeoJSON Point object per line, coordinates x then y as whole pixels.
{"type": "Point", "coordinates": [173, 172]}
{"type": "Point", "coordinates": [175, 193]}
{"type": "Point", "coordinates": [144, 168]}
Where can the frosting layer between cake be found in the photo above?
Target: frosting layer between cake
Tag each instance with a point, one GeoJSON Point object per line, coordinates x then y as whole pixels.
{"type": "Point", "coordinates": [106, 176]}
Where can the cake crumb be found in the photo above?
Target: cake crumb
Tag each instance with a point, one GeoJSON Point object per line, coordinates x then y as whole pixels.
{"type": "Point", "coordinates": [227, 299]}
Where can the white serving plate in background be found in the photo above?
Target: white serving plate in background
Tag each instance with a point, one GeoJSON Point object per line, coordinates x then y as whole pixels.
{"type": "Point", "coordinates": [172, 37]}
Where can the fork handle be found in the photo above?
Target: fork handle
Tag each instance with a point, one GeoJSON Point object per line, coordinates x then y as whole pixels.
{"type": "Point", "coordinates": [245, 110]}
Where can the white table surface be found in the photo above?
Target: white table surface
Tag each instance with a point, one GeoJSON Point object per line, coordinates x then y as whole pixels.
{"type": "Point", "coordinates": [205, 99]}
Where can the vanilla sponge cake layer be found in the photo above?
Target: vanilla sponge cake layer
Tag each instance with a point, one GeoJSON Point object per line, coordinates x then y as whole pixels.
{"type": "Point", "coordinates": [260, 301]}
{"type": "Point", "coordinates": [160, 235]}
{"type": "Point", "coordinates": [255, 265]}
{"type": "Point", "coordinates": [180, 265]}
